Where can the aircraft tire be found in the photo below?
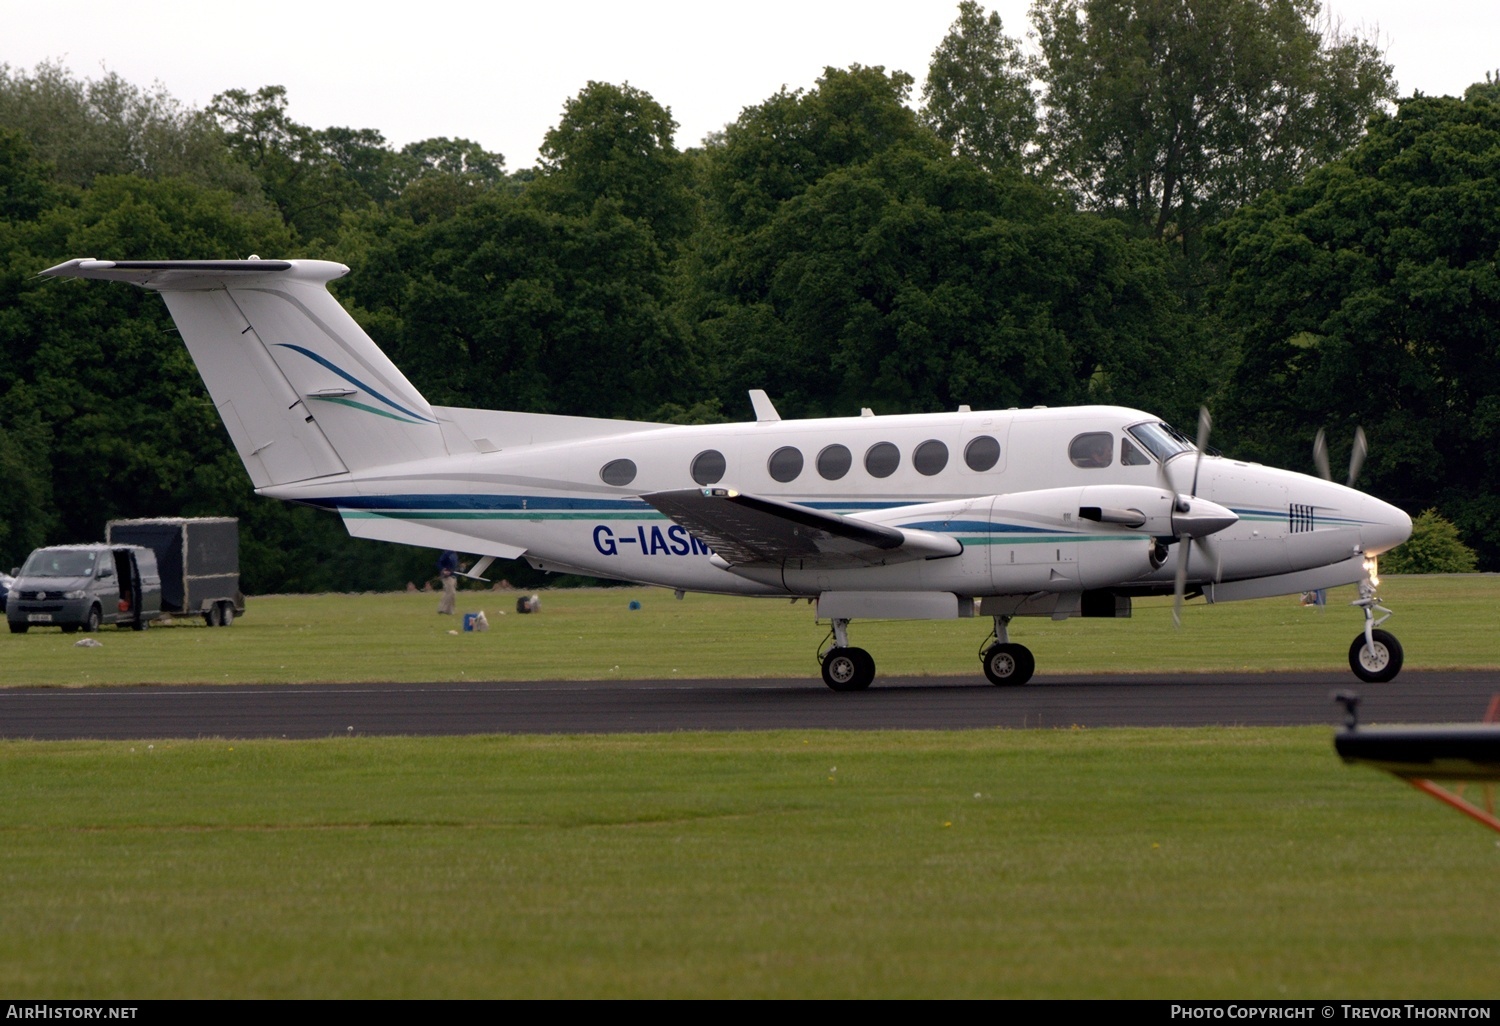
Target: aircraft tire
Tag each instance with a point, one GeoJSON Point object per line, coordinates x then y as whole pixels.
{"type": "Point", "coordinates": [1008, 664]}
{"type": "Point", "coordinates": [1378, 666]}
{"type": "Point", "coordinates": [848, 669]}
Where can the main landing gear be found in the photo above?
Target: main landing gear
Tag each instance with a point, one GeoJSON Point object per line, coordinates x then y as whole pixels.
{"type": "Point", "coordinates": [1005, 663]}
{"type": "Point", "coordinates": [845, 668]}
{"type": "Point", "coordinates": [1374, 655]}
{"type": "Point", "coordinates": [853, 669]}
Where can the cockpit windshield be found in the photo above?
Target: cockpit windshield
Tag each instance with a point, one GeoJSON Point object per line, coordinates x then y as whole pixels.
{"type": "Point", "coordinates": [1163, 440]}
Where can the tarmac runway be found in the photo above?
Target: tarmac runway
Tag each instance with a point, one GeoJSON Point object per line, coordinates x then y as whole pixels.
{"type": "Point", "coordinates": [587, 707]}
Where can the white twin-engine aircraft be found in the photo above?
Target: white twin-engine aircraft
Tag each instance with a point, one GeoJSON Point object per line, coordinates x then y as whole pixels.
{"type": "Point", "coordinates": [1001, 513]}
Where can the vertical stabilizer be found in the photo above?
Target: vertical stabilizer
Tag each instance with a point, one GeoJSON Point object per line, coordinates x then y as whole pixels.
{"type": "Point", "coordinates": [302, 390]}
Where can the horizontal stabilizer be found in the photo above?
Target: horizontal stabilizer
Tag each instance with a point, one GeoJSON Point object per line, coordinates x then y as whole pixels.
{"type": "Point", "coordinates": [748, 530]}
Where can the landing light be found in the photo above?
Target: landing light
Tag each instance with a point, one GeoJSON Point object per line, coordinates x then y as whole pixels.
{"type": "Point", "coordinates": [1372, 568]}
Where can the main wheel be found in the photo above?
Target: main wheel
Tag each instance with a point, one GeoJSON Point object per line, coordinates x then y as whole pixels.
{"type": "Point", "coordinates": [1378, 664]}
{"type": "Point", "coordinates": [1008, 664]}
{"type": "Point", "coordinates": [848, 669]}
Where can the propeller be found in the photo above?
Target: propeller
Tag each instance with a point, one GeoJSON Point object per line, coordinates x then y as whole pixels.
{"type": "Point", "coordinates": [1356, 456]}
{"type": "Point", "coordinates": [1194, 530]}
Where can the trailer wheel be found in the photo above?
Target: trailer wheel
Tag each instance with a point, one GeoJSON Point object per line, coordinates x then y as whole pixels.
{"type": "Point", "coordinates": [226, 614]}
{"type": "Point", "coordinates": [212, 616]}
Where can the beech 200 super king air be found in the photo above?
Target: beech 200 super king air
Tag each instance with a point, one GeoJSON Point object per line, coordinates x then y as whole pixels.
{"type": "Point", "coordinates": [997, 513]}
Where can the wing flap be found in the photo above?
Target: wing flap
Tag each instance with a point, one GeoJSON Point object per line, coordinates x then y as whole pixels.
{"type": "Point", "coordinates": [749, 530]}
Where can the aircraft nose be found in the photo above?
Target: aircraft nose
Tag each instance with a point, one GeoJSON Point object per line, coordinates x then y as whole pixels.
{"type": "Point", "coordinates": [1383, 526]}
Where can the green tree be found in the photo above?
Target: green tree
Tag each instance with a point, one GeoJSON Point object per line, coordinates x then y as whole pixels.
{"type": "Point", "coordinates": [1433, 548]}
{"type": "Point", "coordinates": [978, 92]}
{"type": "Point", "coordinates": [304, 173]}
{"type": "Point", "coordinates": [507, 305]}
{"type": "Point", "coordinates": [614, 145]}
{"type": "Point", "coordinates": [1369, 294]}
{"type": "Point", "coordinates": [86, 128]}
{"type": "Point", "coordinates": [1173, 113]}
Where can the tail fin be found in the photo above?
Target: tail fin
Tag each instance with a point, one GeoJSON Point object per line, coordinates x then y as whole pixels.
{"type": "Point", "coordinates": [301, 388]}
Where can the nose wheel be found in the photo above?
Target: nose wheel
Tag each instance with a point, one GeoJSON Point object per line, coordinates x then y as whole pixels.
{"type": "Point", "coordinates": [1375, 655]}
{"type": "Point", "coordinates": [1377, 659]}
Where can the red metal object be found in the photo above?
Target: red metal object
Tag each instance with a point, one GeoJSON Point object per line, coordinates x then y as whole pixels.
{"type": "Point", "coordinates": [1453, 801]}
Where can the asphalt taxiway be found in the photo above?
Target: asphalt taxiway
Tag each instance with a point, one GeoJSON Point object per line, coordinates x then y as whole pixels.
{"type": "Point", "coordinates": [621, 706]}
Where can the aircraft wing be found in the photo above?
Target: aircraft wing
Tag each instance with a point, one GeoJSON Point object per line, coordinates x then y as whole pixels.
{"type": "Point", "coordinates": [747, 530]}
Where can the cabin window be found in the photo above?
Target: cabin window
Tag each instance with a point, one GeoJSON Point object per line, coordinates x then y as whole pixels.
{"type": "Point", "coordinates": [982, 453]}
{"type": "Point", "coordinates": [1130, 456]}
{"type": "Point", "coordinates": [882, 459]}
{"type": "Point", "coordinates": [1094, 449]}
{"type": "Point", "coordinates": [618, 472]}
{"type": "Point", "coordinates": [930, 457]}
{"type": "Point", "coordinates": [834, 462]}
{"type": "Point", "coordinates": [708, 467]}
{"type": "Point", "coordinates": [785, 464]}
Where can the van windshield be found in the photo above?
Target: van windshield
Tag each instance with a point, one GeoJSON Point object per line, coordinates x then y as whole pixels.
{"type": "Point", "coordinates": [60, 563]}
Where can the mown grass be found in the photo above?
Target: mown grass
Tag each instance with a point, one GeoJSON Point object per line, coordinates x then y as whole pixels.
{"type": "Point", "coordinates": [1443, 623]}
{"type": "Point", "coordinates": [1100, 863]}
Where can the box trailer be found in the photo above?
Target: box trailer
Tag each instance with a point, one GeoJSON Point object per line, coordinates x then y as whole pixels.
{"type": "Point", "coordinates": [199, 562]}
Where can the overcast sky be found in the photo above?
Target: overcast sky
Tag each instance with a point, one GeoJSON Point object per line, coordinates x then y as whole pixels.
{"type": "Point", "coordinates": [498, 72]}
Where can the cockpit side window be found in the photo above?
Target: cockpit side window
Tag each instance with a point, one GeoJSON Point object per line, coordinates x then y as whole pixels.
{"type": "Point", "coordinates": [1093, 449]}
{"type": "Point", "coordinates": [1130, 456]}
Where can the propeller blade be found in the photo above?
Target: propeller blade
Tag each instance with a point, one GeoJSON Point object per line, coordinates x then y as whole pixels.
{"type": "Point", "coordinates": [1357, 457]}
{"type": "Point", "coordinates": [1180, 586]}
{"type": "Point", "coordinates": [1204, 423]}
{"type": "Point", "coordinates": [1212, 552]}
{"type": "Point", "coordinates": [1320, 455]}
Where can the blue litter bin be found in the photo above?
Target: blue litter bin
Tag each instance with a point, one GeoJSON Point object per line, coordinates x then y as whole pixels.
{"type": "Point", "coordinates": [469, 619]}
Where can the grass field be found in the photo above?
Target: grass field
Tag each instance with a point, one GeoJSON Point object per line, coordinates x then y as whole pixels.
{"type": "Point", "coordinates": [1098, 863]}
{"type": "Point", "coordinates": [1084, 863]}
{"type": "Point", "coordinates": [590, 634]}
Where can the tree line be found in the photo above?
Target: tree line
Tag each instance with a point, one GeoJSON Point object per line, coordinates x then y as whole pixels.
{"type": "Point", "coordinates": [1159, 204]}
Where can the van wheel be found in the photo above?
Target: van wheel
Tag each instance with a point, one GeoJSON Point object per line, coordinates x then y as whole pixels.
{"type": "Point", "coordinates": [95, 617]}
{"type": "Point", "coordinates": [19, 628]}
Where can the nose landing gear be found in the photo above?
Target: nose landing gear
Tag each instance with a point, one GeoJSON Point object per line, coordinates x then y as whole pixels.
{"type": "Point", "coordinates": [1375, 656]}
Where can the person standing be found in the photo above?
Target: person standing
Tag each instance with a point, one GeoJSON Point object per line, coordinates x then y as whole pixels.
{"type": "Point", "coordinates": [448, 572]}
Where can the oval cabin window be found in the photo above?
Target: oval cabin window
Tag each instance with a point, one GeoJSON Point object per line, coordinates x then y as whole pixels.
{"type": "Point", "coordinates": [982, 453]}
{"type": "Point", "coordinates": [834, 462]}
{"type": "Point", "coordinates": [618, 472]}
{"type": "Point", "coordinates": [882, 459]}
{"type": "Point", "coordinates": [709, 467]}
{"type": "Point", "coordinates": [930, 457]}
{"type": "Point", "coordinates": [785, 464]}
